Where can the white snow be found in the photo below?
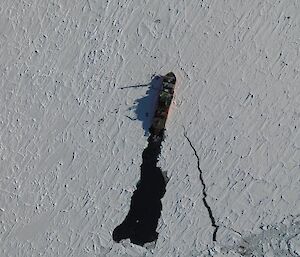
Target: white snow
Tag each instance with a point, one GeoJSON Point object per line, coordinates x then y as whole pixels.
{"type": "Point", "coordinates": [70, 157]}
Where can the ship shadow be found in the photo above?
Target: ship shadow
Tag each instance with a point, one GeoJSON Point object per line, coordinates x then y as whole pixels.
{"type": "Point", "coordinates": [141, 222]}
{"type": "Point", "coordinates": [144, 107]}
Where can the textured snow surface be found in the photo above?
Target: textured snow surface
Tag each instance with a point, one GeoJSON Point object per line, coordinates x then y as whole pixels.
{"type": "Point", "coordinates": [71, 140]}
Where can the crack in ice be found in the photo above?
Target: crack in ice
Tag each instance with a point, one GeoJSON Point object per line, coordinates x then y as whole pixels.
{"type": "Point", "coordinates": [204, 193]}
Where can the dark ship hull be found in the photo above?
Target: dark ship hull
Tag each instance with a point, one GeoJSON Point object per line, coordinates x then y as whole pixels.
{"type": "Point", "coordinates": [163, 105]}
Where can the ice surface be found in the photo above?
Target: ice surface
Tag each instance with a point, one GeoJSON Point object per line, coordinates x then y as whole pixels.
{"type": "Point", "coordinates": [70, 157]}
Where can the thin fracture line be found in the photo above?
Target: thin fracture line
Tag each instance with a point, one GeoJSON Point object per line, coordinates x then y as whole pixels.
{"type": "Point", "coordinates": [204, 193]}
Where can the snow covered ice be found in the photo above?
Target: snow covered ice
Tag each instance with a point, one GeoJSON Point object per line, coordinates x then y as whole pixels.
{"type": "Point", "coordinates": [70, 157]}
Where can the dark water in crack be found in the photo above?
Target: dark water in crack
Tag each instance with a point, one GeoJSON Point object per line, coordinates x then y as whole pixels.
{"type": "Point", "coordinates": [145, 209]}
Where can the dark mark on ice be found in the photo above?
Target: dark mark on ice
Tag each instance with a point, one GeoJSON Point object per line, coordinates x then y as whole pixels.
{"type": "Point", "coordinates": [130, 117]}
{"type": "Point", "coordinates": [249, 95]}
{"type": "Point", "coordinates": [204, 193]}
